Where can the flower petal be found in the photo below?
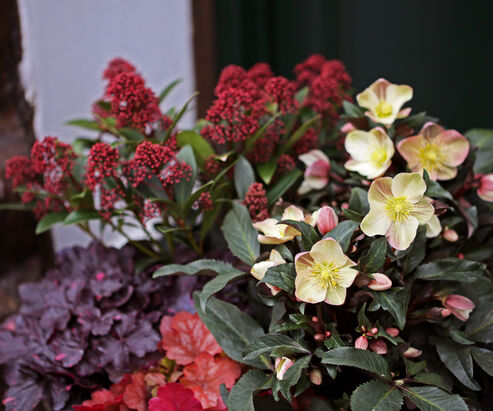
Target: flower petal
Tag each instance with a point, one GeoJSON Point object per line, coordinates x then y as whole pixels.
{"type": "Point", "coordinates": [328, 250]}
{"type": "Point", "coordinates": [401, 235]}
{"type": "Point", "coordinates": [313, 156]}
{"type": "Point", "coordinates": [423, 210]}
{"type": "Point", "coordinates": [410, 185]}
{"type": "Point", "coordinates": [375, 222]}
{"type": "Point", "coordinates": [276, 257]}
{"type": "Point", "coordinates": [367, 98]}
{"type": "Point", "coordinates": [335, 295]}
{"type": "Point", "coordinates": [379, 192]}
{"type": "Point", "coordinates": [346, 276]}
{"type": "Point", "coordinates": [359, 144]}
{"type": "Point", "coordinates": [293, 213]}
{"type": "Point", "coordinates": [308, 289]}
{"type": "Point", "coordinates": [409, 149]}
{"type": "Point", "coordinates": [454, 146]}
{"type": "Point", "coordinates": [259, 269]}
{"type": "Point", "coordinates": [397, 95]}
{"type": "Point", "coordinates": [433, 227]}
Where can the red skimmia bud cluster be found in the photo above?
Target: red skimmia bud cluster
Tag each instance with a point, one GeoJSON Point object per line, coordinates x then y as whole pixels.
{"type": "Point", "coordinates": [256, 202]}
{"type": "Point", "coordinates": [44, 176]}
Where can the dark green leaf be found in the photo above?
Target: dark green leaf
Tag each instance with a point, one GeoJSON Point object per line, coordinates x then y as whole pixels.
{"type": "Point", "coordinates": [197, 267]}
{"type": "Point", "coordinates": [299, 133]}
{"type": "Point", "coordinates": [376, 396]}
{"type": "Point", "coordinates": [301, 95]}
{"type": "Point", "coordinates": [168, 89]}
{"type": "Point", "coordinates": [281, 276]}
{"type": "Point", "coordinates": [435, 190]}
{"type": "Point", "coordinates": [431, 378]}
{"type": "Point", "coordinates": [217, 284]}
{"type": "Point", "coordinates": [484, 358]}
{"type": "Point", "coordinates": [283, 345]}
{"type": "Point", "coordinates": [266, 170]}
{"type": "Point", "coordinates": [201, 147]}
{"type": "Point", "coordinates": [241, 396]}
{"type": "Point", "coordinates": [434, 399]}
{"type": "Point", "coordinates": [308, 234]}
{"type": "Point", "coordinates": [352, 110]}
{"type": "Point", "coordinates": [184, 188]}
{"type": "Point", "coordinates": [483, 139]}
{"type": "Point", "coordinates": [81, 216]}
{"type": "Point", "coordinates": [240, 234]}
{"type": "Point", "coordinates": [480, 325]}
{"type": "Point", "coordinates": [49, 220]}
{"type": "Point", "coordinates": [260, 132]}
{"type": "Point", "coordinates": [132, 135]}
{"type": "Point", "coordinates": [352, 357]}
{"type": "Point", "coordinates": [283, 185]}
{"type": "Point", "coordinates": [413, 368]}
{"type": "Point", "coordinates": [84, 123]}
{"type": "Point", "coordinates": [375, 257]}
{"type": "Point", "coordinates": [395, 301]}
{"type": "Point", "coordinates": [451, 269]}
{"type": "Point", "coordinates": [415, 254]}
{"type": "Point", "coordinates": [460, 337]}
{"type": "Point", "coordinates": [196, 194]}
{"type": "Point", "coordinates": [233, 330]}
{"type": "Point", "coordinates": [293, 374]}
{"type": "Point", "coordinates": [244, 176]}
{"type": "Point", "coordinates": [358, 201]}
{"type": "Point", "coordinates": [343, 232]}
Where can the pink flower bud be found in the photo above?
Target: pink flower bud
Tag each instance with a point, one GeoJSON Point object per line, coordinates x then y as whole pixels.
{"type": "Point", "coordinates": [461, 256]}
{"type": "Point", "coordinates": [361, 343]}
{"type": "Point", "coordinates": [318, 337]}
{"type": "Point", "coordinates": [316, 376]}
{"type": "Point", "coordinates": [412, 352]}
{"type": "Point", "coordinates": [458, 305]}
{"type": "Point", "coordinates": [282, 365]}
{"type": "Point", "coordinates": [374, 331]}
{"type": "Point", "coordinates": [450, 235]}
{"type": "Point", "coordinates": [485, 190]}
{"type": "Point", "coordinates": [379, 346]}
{"type": "Point", "coordinates": [327, 334]}
{"type": "Point", "coordinates": [393, 332]}
{"type": "Point", "coordinates": [346, 128]}
{"type": "Point", "coordinates": [381, 282]}
{"type": "Point", "coordinates": [327, 219]}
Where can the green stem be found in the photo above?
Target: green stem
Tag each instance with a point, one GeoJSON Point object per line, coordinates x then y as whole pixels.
{"type": "Point", "coordinates": [136, 244]}
{"type": "Point", "coordinates": [88, 231]}
{"type": "Point", "coordinates": [193, 243]}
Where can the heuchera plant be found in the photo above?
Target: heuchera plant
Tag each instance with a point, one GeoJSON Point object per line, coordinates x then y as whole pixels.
{"type": "Point", "coordinates": [361, 242]}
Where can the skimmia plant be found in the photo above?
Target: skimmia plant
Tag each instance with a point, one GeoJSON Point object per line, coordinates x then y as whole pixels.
{"type": "Point", "coordinates": [340, 250]}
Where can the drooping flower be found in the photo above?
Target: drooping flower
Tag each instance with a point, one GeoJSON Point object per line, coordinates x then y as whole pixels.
{"type": "Point", "coordinates": [361, 343]}
{"type": "Point", "coordinates": [326, 219]}
{"type": "Point", "coordinates": [436, 150]}
{"type": "Point", "coordinates": [379, 346]}
{"type": "Point", "coordinates": [458, 305]}
{"type": "Point", "coordinates": [371, 152]}
{"type": "Point", "coordinates": [384, 101]}
{"type": "Point", "coordinates": [397, 207]}
{"type": "Point", "coordinates": [485, 190]}
{"type": "Point", "coordinates": [316, 172]}
{"type": "Point", "coordinates": [174, 397]}
{"type": "Point", "coordinates": [282, 365]}
{"type": "Point", "coordinates": [274, 233]}
{"type": "Point", "coordinates": [324, 273]}
{"type": "Point", "coordinates": [185, 336]}
{"type": "Point", "coordinates": [380, 282]}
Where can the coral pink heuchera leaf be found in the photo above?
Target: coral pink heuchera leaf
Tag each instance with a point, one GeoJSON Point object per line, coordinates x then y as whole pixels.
{"type": "Point", "coordinates": [185, 336]}
{"type": "Point", "coordinates": [135, 395]}
{"type": "Point", "coordinates": [205, 376]}
{"type": "Point", "coordinates": [174, 397]}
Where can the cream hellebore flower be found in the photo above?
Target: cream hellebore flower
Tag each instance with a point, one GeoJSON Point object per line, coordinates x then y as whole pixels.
{"type": "Point", "coordinates": [384, 101]}
{"type": "Point", "coordinates": [371, 152]}
{"type": "Point", "coordinates": [397, 208]}
{"type": "Point", "coordinates": [274, 233]}
{"type": "Point", "coordinates": [436, 150]}
{"type": "Point", "coordinates": [324, 273]}
{"type": "Point", "coordinates": [259, 269]}
{"type": "Point", "coordinates": [316, 172]}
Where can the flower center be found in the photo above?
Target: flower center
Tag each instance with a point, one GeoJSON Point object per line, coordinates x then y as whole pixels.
{"type": "Point", "coordinates": [383, 109]}
{"type": "Point", "coordinates": [326, 274]}
{"type": "Point", "coordinates": [378, 157]}
{"type": "Point", "coordinates": [398, 209]}
{"type": "Point", "coordinates": [430, 156]}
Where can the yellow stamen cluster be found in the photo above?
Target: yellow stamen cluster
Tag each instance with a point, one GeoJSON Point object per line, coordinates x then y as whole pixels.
{"type": "Point", "coordinates": [379, 157]}
{"type": "Point", "coordinates": [431, 156]}
{"type": "Point", "coordinates": [383, 109]}
{"type": "Point", "coordinates": [398, 209]}
{"type": "Point", "coordinates": [326, 274]}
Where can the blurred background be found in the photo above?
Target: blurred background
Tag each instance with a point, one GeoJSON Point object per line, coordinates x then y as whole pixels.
{"type": "Point", "coordinates": [52, 54]}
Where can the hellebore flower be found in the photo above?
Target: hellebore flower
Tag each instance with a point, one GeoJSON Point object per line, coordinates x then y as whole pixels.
{"type": "Point", "coordinates": [485, 190]}
{"type": "Point", "coordinates": [384, 101]}
{"type": "Point", "coordinates": [274, 233]}
{"type": "Point", "coordinates": [371, 152]}
{"type": "Point", "coordinates": [325, 218]}
{"type": "Point", "coordinates": [397, 208]}
{"type": "Point", "coordinates": [412, 352]}
{"type": "Point", "coordinates": [458, 305]}
{"type": "Point", "coordinates": [433, 227]}
{"type": "Point", "coordinates": [282, 365]}
{"type": "Point", "coordinates": [380, 283]}
{"type": "Point", "coordinates": [436, 150]}
{"type": "Point", "coordinates": [316, 172]}
{"type": "Point", "coordinates": [324, 273]}
{"type": "Point", "coordinates": [361, 343]}
{"type": "Point", "coordinates": [259, 269]}
{"type": "Point", "coordinates": [379, 347]}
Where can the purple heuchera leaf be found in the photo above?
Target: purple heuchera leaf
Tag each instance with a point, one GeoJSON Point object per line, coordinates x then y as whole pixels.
{"type": "Point", "coordinates": [89, 321]}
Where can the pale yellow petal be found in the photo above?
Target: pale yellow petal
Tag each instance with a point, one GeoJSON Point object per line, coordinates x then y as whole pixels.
{"type": "Point", "coordinates": [327, 251]}
{"type": "Point", "coordinates": [276, 257]}
{"type": "Point", "coordinates": [359, 144]}
{"type": "Point", "coordinates": [410, 148]}
{"type": "Point", "coordinates": [433, 227]}
{"type": "Point", "coordinates": [409, 185]}
{"type": "Point", "coordinates": [259, 269]}
{"type": "Point", "coordinates": [401, 235]}
{"type": "Point", "coordinates": [346, 276]}
{"type": "Point", "coordinates": [379, 192]}
{"type": "Point", "coordinates": [335, 295]}
{"type": "Point", "coordinates": [375, 223]}
{"type": "Point", "coordinates": [423, 211]}
{"type": "Point", "coordinates": [367, 99]}
{"type": "Point", "coordinates": [397, 95]}
{"type": "Point", "coordinates": [293, 213]}
{"type": "Point", "coordinates": [455, 147]}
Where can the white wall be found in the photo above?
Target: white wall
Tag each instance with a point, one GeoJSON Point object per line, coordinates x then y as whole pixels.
{"type": "Point", "coordinates": [67, 44]}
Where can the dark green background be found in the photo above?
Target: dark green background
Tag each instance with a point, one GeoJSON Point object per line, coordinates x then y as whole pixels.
{"type": "Point", "coordinates": [443, 49]}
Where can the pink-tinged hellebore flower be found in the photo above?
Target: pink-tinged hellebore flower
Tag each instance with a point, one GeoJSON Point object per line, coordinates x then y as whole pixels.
{"type": "Point", "coordinates": [485, 190]}
{"type": "Point", "coordinates": [379, 346]}
{"type": "Point", "coordinates": [436, 150]}
{"type": "Point", "coordinates": [316, 172]}
{"type": "Point", "coordinates": [393, 332]}
{"type": "Point", "coordinates": [259, 269]}
{"type": "Point", "coordinates": [380, 283]}
{"type": "Point", "coordinates": [324, 273]}
{"type": "Point", "coordinates": [397, 208]}
{"type": "Point", "coordinates": [458, 305]}
{"type": "Point", "coordinates": [274, 233]}
{"type": "Point", "coordinates": [282, 365]}
{"type": "Point", "coordinates": [371, 152]}
{"type": "Point", "coordinates": [361, 343]}
{"type": "Point", "coordinates": [384, 101]}
{"type": "Point", "coordinates": [326, 219]}
{"type": "Point", "coordinates": [412, 352]}
{"type": "Point", "coordinates": [433, 227]}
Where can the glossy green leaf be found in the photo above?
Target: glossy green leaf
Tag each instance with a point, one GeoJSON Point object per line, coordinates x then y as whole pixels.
{"type": "Point", "coordinates": [49, 220]}
{"type": "Point", "coordinates": [184, 188]}
{"type": "Point", "coordinates": [241, 396]}
{"type": "Point", "coordinates": [343, 232]}
{"type": "Point", "coordinates": [451, 269]}
{"type": "Point", "coordinates": [201, 147]}
{"type": "Point", "coordinates": [283, 185]}
{"type": "Point", "coordinates": [81, 216]}
{"type": "Point", "coordinates": [217, 284]}
{"type": "Point", "coordinates": [244, 176]}
{"type": "Point", "coordinates": [435, 399]}
{"type": "Point", "coordinates": [197, 267]}
{"type": "Point", "coordinates": [376, 396]}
